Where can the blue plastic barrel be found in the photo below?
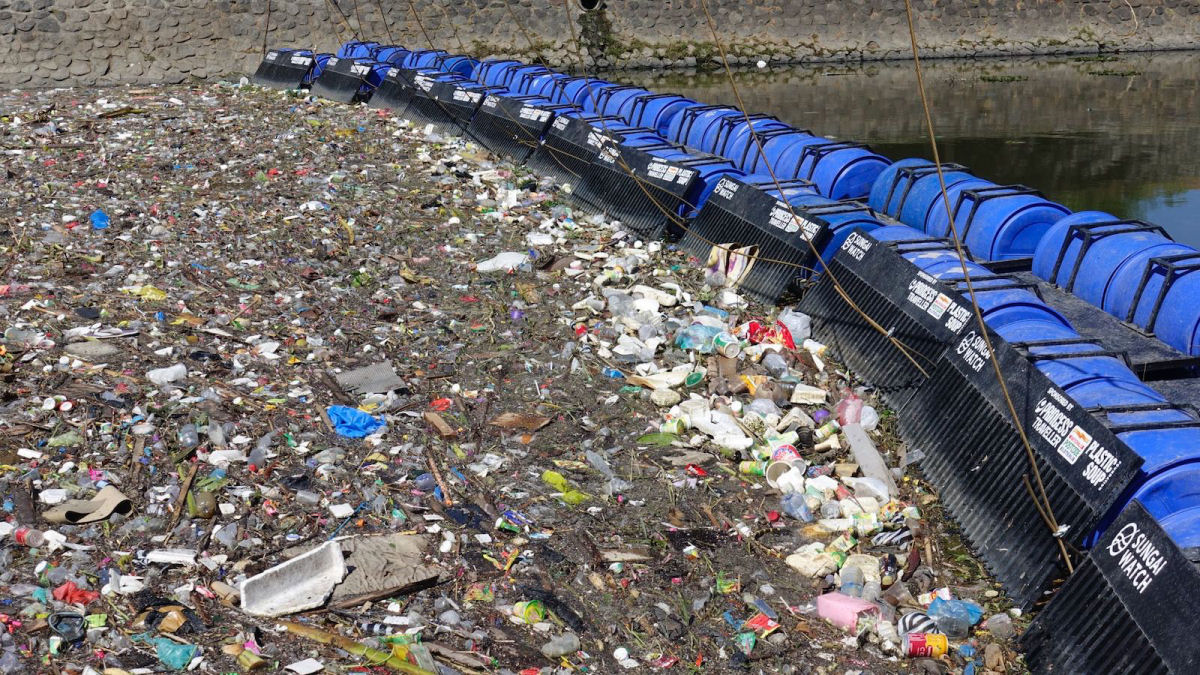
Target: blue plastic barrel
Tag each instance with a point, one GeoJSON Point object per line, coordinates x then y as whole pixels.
{"type": "Point", "coordinates": [655, 111]}
{"type": "Point", "coordinates": [1123, 287]}
{"type": "Point", "coordinates": [737, 143]}
{"type": "Point", "coordinates": [937, 224]}
{"type": "Point", "coordinates": [1177, 322]}
{"type": "Point", "coordinates": [889, 186]}
{"type": "Point", "coordinates": [356, 50]}
{"type": "Point", "coordinates": [492, 71]}
{"type": "Point", "coordinates": [514, 77]}
{"type": "Point", "coordinates": [1004, 222]}
{"type": "Point", "coordinates": [319, 61]}
{"type": "Point", "coordinates": [423, 58]}
{"type": "Point", "coordinates": [1173, 498]}
{"type": "Point", "coordinates": [839, 169]}
{"type": "Point", "coordinates": [588, 97]}
{"type": "Point", "coordinates": [702, 133]}
{"type": "Point", "coordinates": [774, 143]}
{"type": "Point", "coordinates": [1108, 247]}
{"type": "Point", "coordinates": [687, 128]}
{"type": "Point", "coordinates": [908, 191]}
{"type": "Point", "coordinates": [392, 54]}
{"type": "Point", "coordinates": [1036, 329]}
{"type": "Point", "coordinates": [543, 85]}
{"type": "Point", "coordinates": [898, 233]}
{"type": "Point", "coordinates": [457, 64]}
{"type": "Point", "coordinates": [612, 100]}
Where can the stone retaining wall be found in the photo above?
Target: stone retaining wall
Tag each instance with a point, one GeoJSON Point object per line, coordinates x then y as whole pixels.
{"type": "Point", "coordinates": [54, 42]}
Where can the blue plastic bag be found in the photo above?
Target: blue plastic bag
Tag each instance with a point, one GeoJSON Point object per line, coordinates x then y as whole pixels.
{"type": "Point", "coordinates": [100, 220]}
{"type": "Point", "coordinates": [352, 422]}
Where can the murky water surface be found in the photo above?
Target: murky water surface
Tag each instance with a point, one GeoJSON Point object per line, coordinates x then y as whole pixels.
{"type": "Point", "coordinates": [1117, 134]}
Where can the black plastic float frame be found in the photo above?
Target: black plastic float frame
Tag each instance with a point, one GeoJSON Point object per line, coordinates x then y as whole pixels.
{"type": "Point", "coordinates": [646, 193]}
{"type": "Point", "coordinates": [975, 457]}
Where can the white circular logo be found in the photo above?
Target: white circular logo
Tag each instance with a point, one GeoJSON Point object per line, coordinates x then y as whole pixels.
{"type": "Point", "coordinates": [1122, 539]}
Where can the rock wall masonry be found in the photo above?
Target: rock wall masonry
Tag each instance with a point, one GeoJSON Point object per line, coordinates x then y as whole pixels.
{"type": "Point", "coordinates": [85, 42]}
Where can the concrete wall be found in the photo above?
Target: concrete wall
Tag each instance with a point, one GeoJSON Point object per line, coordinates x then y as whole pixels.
{"type": "Point", "coordinates": [48, 42]}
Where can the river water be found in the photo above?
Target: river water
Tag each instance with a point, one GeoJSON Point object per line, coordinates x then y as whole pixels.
{"type": "Point", "coordinates": [1118, 134]}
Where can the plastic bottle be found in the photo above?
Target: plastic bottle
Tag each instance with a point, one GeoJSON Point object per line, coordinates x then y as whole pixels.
{"type": "Point", "coordinates": [952, 617]}
{"type": "Point", "coordinates": [831, 509]}
{"type": "Point", "coordinates": [795, 506]}
{"type": "Point", "coordinates": [698, 337]}
{"type": "Point", "coordinates": [216, 434]}
{"type": "Point", "coordinates": [188, 438]}
{"type": "Point", "coordinates": [852, 582]}
{"type": "Point", "coordinates": [886, 631]}
{"type": "Point", "coordinates": [27, 536]}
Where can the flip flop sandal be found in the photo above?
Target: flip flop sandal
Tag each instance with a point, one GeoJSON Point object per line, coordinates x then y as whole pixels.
{"type": "Point", "coordinates": [78, 511]}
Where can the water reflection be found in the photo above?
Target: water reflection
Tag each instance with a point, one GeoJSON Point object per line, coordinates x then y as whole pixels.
{"type": "Point", "coordinates": [1112, 134]}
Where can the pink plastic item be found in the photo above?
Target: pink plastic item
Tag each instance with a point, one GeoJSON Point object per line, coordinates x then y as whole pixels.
{"type": "Point", "coordinates": [849, 409]}
{"type": "Point", "coordinates": [843, 610]}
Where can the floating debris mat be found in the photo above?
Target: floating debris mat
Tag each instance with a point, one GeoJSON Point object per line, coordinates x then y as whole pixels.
{"type": "Point", "coordinates": [1129, 608]}
{"type": "Point", "coordinates": [975, 458]}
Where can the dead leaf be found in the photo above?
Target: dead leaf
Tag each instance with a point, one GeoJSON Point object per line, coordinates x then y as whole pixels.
{"type": "Point", "coordinates": [524, 421]}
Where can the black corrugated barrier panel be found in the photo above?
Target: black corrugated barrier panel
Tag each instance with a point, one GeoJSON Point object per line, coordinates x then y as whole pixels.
{"type": "Point", "coordinates": [512, 126]}
{"type": "Point", "coordinates": [915, 309]}
{"type": "Point", "coordinates": [396, 90]}
{"type": "Point", "coordinates": [569, 147]}
{"type": "Point", "coordinates": [1129, 608]}
{"type": "Point", "coordinates": [975, 458]}
{"type": "Point", "coordinates": [460, 100]}
{"type": "Point", "coordinates": [284, 68]}
{"type": "Point", "coordinates": [774, 244]}
{"type": "Point", "coordinates": [645, 192]}
{"type": "Point", "coordinates": [424, 106]}
{"type": "Point", "coordinates": [341, 80]}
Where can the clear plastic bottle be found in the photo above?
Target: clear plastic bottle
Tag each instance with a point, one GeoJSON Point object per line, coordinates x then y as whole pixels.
{"type": "Point", "coordinates": [852, 582]}
{"type": "Point", "coordinates": [831, 509]}
{"type": "Point", "coordinates": [188, 438]}
{"type": "Point", "coordinates": [27, 536]}
{"type": "Point", "coordinates": [795, 506]}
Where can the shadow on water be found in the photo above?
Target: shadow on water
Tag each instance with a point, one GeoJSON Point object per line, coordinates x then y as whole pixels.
{"type": "Point", "coordinates": [1117, 134]}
